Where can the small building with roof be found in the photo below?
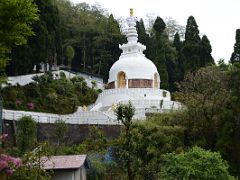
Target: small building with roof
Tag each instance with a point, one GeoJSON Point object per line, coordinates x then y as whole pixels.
{"type": "Point", "coordinates": [68, 167]}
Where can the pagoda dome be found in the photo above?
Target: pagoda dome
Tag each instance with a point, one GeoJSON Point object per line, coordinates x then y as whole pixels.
{"type": "Point", "coordinates": [135, 66]}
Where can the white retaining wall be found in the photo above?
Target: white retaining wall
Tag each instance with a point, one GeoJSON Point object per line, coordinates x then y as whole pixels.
{"type": "Point", "coordinates": [26, 79]}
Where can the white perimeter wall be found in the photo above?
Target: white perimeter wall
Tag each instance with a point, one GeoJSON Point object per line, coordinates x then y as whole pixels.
{"type": "Point", "coordinates": [26, 79]}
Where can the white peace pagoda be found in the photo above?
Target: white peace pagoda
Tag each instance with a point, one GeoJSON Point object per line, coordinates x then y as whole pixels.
{"type": "Point", "coordinates": [134, 78]}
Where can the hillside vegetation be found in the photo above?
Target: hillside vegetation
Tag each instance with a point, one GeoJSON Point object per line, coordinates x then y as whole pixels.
{"type": "Point", "coordinates": [45, 94]}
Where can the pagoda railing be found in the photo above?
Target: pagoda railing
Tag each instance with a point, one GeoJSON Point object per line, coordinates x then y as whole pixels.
{"type": "Point", "coordinates": [136, 92]}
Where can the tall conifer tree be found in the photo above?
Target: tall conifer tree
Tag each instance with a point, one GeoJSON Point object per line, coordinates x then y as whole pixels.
{"type": "Point", "coordinates": [159, 55]}
{"type": "Point", "coordinates": [236, 53]}
{"type": "Point", "coordinates": [141, 31]}
{"type": "Point", "coordinates": [177, 43]}
{"type": "Point", "coordinates": [206, 49]}
{"type": "Point", "coordinates": [191, 46]}
{"type": "Point", "coordinates": [143, 37]}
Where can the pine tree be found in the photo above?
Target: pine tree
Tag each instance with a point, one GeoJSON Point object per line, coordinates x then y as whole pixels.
{"type": "Point", "coordinates": [143, 37]}
{"type": "Point", "coordinates": [171, 63]}
{"type": "Point", "coordinates": [160, 51]}
{"type": "Point", "coordinates": [177, 43]}
{"type": "Point", "coordinates": [191, 46]}
{"type": "Point", "coordinates": [159, 26]}
{"type": "Point", "coordinates": [206, 49]}
{"type": "Point", "coordinates": [236, 53]}
{"type": "Point", "coordinates": [192, 32]}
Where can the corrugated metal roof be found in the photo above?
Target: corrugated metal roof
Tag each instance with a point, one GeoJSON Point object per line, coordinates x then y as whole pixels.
{"type": "Point", "coordinates": [64, 162]}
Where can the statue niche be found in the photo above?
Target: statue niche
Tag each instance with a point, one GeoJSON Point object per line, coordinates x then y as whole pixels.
{"type": "Point", "coordinates": [121, 80]}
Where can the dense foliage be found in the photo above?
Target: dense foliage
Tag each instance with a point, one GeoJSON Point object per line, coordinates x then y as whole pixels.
{"type": "Point", "coordinates": [143, 143]}
{"type": "Point", "coordinates": [46, 94]}
{"type": "Point", "coordinates": [195, 164]}
{"type": "Point", "coordinates": [212, 114]}
{"type": "Point", "coordinates": [16, 18]}
{"type": "Point", "coordinates": [26, 134]}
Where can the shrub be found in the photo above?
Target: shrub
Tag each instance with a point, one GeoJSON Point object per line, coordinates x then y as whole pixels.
{"type": "Point", "coordinates": [26, 133]}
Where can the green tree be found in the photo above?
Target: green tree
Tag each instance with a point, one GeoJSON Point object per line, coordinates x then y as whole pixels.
{"type": "Point", "coordinates": [222, 65]}
{"type": "Point", "coordinates": [194, 164]}
{"type": "Point", "coordinates": [172, 66]}
{"type": "Point", "coordinates": [191, 46]}
{"type": "Point", "coordinates": [204, 93]}
{"type": "Point", "coordinates": [143, 37]}
{"type": "Point", "coordinates": [124, 115]}
{"type": "Point", "coordinates": [16, 18]}
{"type": "Point", "coordinates": [229, 125]}
{"type": "Point", "coordinates": [160, 51]}
{"type": "Point", "coordinates": [69, 54]}
{"type": "Point", "coordinates": [26, 133]}
{"type": "Point", "coordinates": [60, 131]}
{"type": "Point", "coordinates": [236, 53]}
{"type": "Point", "coordinates": [177, 43]}
{"type": "Point", "coordinates": [80, 84]}
{"type": "Point", "coordinates": [159, 26]}
{"type": "Point", "coordinates": [153, 138]}
{"type": "Point", "coordinates": [163, 55]}
{"type": "Point", "coordinates": [206, 49]}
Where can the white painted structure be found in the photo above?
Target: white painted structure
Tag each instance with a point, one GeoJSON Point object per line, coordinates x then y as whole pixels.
{"type": "Point", "coordinates": [137, 68]}
{"type": "Point", "coordinates": [132, 61]}
{"type": "Point", "coordinates": [132, 78]}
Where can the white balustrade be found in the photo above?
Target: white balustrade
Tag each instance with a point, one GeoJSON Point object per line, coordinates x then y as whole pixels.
{"type": "Point", "coordinates": [137, 93]}
{"type": "Point", "coordinates": [96, 117]}
{"type": "Point", "coordinates": [93, 117]}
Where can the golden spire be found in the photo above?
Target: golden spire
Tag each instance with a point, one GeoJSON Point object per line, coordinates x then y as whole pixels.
{"type": "Point", "coordinates": [131, 12]}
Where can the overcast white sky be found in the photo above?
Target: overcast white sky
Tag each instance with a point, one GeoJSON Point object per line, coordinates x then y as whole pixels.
{"type": "Point", "coordinates": [218, 19]}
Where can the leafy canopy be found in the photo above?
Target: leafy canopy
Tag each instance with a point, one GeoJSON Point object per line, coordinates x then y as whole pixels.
{"type": "Point", "coordinates": [16, 18]}
{"type": "Point", "coordinates": [195, 164]}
